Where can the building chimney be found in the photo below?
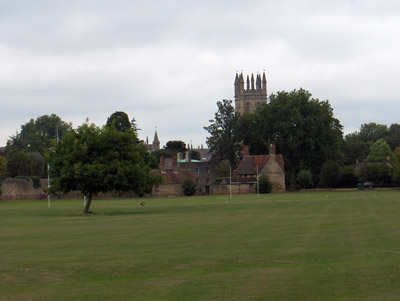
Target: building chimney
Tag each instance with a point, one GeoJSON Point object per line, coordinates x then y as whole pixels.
{"type": "Point", "coordinates": [187, 156]}
{"type": "Point", "coordinates": [272, 149]}
{"type": "Point", "coordinates": [162, 161]}
{"type": "Point", "coordinates": [174, 161]}
{"type": "Point", "coordinates": [245, 151]}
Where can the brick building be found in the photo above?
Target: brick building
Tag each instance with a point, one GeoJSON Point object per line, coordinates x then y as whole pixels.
{"type": "Point", "coordinates": [272, 165]}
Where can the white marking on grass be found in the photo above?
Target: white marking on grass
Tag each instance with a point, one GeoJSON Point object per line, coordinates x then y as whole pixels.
{"type": "Point", "coordinates": [390, 251]}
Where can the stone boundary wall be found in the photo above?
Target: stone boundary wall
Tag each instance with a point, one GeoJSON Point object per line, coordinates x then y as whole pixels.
{"type": "Point", "coordinates": [236, 188]}
{"type": "Point", "coordinates": [22, 189]}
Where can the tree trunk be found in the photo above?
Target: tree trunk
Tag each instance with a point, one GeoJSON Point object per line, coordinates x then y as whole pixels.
{"type": "Point", "coordinates": [89, 201]}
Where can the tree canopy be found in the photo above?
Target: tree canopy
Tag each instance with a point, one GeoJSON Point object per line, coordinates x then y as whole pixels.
{"type": "Point", "coordinates": [37, 135]}
{"type": "Point", "coordinates": [303, 129]}
{"type": "Point", "coordinates": [119, 121]}
{"type": "Point", "coordinates": [224, 140]}
{"type": "Point", "coordinates": [19, 164]}
{"type": "Point", "coordinates": [175, 146]}
{"type": "Point", "coordinates": [380, 152]}
{"type": "Point", "coordinates": [92, 159]}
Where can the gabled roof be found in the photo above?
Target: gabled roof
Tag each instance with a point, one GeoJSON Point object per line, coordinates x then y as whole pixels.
{"type": "Point", "coordinates": [248, 165]}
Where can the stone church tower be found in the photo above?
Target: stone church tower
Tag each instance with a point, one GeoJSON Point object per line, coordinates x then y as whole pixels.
{"type": "Point", "coordinates": [249, 99]}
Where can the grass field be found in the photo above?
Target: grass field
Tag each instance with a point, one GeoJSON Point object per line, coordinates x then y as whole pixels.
{"type": "Point", "coordinates": [294, 246]}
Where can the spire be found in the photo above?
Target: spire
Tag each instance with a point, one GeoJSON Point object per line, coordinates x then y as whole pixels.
{"type": "Point", "coordinates": [252, 81]}
{"type": "Point", "coordinates": [248, 83]}
{"type": "Point", "coordinates": [156, 141]}
{"type": "Point", "coordinates": [237, 85]}
{"type": "Point", "coordinates": [258, 82]}
{"type": "Point", "coordinates": [264, 83]}
{"type": "Point", "coordinates": [241, 81]}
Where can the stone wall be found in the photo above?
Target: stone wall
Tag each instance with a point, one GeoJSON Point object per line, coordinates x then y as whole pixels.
{"type": "Point", "coordinates": [22, 189]}
{"type": "Point", "coordinates": [167, 190]}
{"type": "Point", "coordinates": [236, 188]}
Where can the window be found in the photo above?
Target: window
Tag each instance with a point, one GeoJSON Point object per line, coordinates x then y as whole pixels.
{"type": "Point", "coordinates": [207, 181]}
{"type": "Point", "coordinates": [207, 170]}
{"type": "Point", "coordinates": [197, 171]}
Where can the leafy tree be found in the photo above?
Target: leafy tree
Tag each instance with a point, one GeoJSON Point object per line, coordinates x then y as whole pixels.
{"type": "Point", "coordinates": [381, 174]}
{"type": "Point", "coordinates": [354, 148]}
{"type": "Point", "coordinates": [3, 167]}
{"type": "Point", "coordinates": [372, 132]}
{"type": "Point", "coordinates": [379, 152]}
{"type": "Point", "coordinates": [134, 126]}
{"type": "Point", "coordinates": [37, 135]}
{"type": "Point", "coordinates": [175, 146]}
{"type": "Point", "coordinates": [119, 121]}
{"type": "Point", "coordinates": [38, 163]}
{"type": "Point", "coordinates": [349, 176]}
{"type": "Point", "coordinates": [19, 164]}
{"type": "Point", "coordinates": [303, 129]}
{"type": "Point", "coordinates": [151, 160]}
{"type": "Point", "coordinates": [304, 177]}
{"type": "Point", "coordinates": [393, 136]}
{"type": "Point", "coordinates": [92, 159]}
{"type": "Point", "coordinates": [3, 170]}
{"type": "Point", "coordinates": [251, 133]}
{"type": "Point", "coordinates": [224, 141]}
{"type": "Point", "coordinates": [195, 155]}
{"type": "Point", "coordinates": [189, 187]}
{"type": "Point", "coordinates": [162, 152]}
{"type": "Point", "coordinates": [330, 175]}
{"type": "Point", "coordinates": [265, 186]}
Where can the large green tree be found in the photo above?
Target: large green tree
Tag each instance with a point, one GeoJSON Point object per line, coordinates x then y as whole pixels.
{"type": "Point", "coordinates": [119, 121]}
{"type": "Point", "coordinates": [380, 152]}
{"type": "Point", "coordinates": [19, 164]}
{"type": "Point", "coordinates": [372, 132]}
{"type": "Point", "coordinates": [3, 167]}
{"type": "Point", "coordinates": [175, 146]}
{"type": "Point", "coordinates": [303, 129]}
{"type": "Point", "coordinates": [224, 140]}
{"type": "Point", "coordinates": [355, 148]}
{"type": "Point", "coordinates": [331, 174]}
{"type": "Point", "coordinates": [37, 135]}
{"type": "Point", "coordinates": [92, 159]}
{"type": "Point", "coordinates": [393, 136]}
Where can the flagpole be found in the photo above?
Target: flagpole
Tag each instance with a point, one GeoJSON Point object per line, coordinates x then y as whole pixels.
{"type": "Point", "coordinates": [258, 188]}
{"type": "Point", "coordinates": [230, 181]}
{"type": "Point", "coordinates": [48, 183]}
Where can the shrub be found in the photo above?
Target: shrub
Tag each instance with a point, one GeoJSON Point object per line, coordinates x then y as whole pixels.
{"type": "Point", "coordinates": [304, 177]}
{"type": "Point", "coordinates": [330, 175]}
{"type": "Point", "coordinates": [189, 187]}
{"type": "Point", "coordinates": [265, 186]}
{"type": "Point", "coordinates": [36, 182]}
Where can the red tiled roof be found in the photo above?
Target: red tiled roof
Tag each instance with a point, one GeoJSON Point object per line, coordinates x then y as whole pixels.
{"type": "Point", "coordinates": [248, 165]}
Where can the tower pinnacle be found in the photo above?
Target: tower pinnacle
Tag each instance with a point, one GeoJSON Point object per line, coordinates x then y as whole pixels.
{"type": "Point", "coordinates": [255, 94]}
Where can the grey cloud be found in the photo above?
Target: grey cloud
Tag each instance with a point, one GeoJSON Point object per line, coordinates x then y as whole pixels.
{"type": "Point", "coordinates": [166, 63]}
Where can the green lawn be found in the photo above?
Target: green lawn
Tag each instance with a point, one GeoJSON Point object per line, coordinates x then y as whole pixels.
{"type": "Point", "coordinates": [294, 246]}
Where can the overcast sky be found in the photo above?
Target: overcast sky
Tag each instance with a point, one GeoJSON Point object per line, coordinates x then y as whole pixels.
{"type": "Point", "coordinates": [166, 63]}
